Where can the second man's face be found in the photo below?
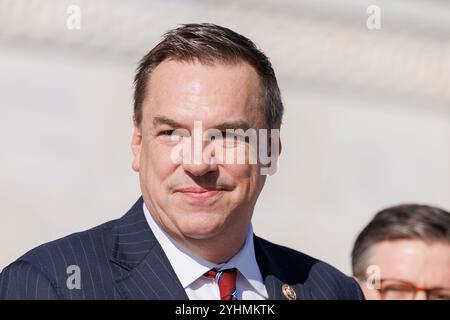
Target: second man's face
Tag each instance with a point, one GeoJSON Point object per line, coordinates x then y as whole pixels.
{"type": "Point", "coordinates": [404, 266]}
{"type": "Point", "coordinates": [191, 199]}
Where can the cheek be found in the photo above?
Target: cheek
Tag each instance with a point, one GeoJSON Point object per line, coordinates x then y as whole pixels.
{"type": "Point", "coordinates": [156, 164]}
{"type": "Point", "coordinates": [247, 178]}
{"type": "Point", "coordinates": [241, 174]}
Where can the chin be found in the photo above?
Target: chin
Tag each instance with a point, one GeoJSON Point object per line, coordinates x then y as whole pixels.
{"type": "Point", "coordinates": [201, 227]}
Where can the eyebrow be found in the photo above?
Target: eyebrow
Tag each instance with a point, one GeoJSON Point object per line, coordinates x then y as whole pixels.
{"type": "Point", "coordinates": [163, 120]}
{"type": "Point", "coordinates": [233, 125]}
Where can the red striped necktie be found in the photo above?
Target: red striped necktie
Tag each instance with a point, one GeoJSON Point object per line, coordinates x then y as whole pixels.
{"type": "Point", "coordinates": [226, 280]}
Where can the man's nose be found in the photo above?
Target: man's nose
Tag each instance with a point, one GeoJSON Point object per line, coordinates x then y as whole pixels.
{"type": "Point", "coordinates": [202, 158]}
{"type": "Point", "coordinates": [201, 162]}
{"type": "Point", "coordinates": [199, 169]}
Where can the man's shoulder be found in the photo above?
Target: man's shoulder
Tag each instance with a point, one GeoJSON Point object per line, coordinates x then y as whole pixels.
{"type": "Point", "coordinates": [95, 244]}
{"type": "Point", "coordinates": [292, 266]}
{"type": "Point", "coordinates": [72, 246]}
{"type": "Point", "coordinates": [44, 270]}
{"type": "Point", "coordinates": [55, 257]}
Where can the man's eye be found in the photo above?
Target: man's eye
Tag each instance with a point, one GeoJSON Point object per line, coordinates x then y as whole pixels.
{"type": "Point", "coordinates": [176, 134]}
{"type": "Point", "coordinates": [166, 132]}
{"type": "Point", "coordinates": [231, 135]}
{"type": "Point", "coordinates": [226, 135]}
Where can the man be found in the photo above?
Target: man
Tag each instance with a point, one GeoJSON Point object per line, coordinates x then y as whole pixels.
{"type": "Point", "coordinates": [404, 253]}
{"type": "Point", "coordinates": [190, 235]}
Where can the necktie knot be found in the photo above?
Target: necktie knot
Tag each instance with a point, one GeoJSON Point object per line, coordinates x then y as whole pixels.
{"type": "Point", "coordinates": [226, 280]}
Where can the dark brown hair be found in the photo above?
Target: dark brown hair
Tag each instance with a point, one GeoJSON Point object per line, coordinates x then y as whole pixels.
{"type": "Point", "coordinates": [408, 221]}
{"type": "Point", "coordinates": [209, 43]}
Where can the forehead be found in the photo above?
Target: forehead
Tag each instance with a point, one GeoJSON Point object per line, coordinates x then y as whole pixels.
{"type": "Point", "coordinates": [190, 91]}
{"type": "Point", "coordinates": [413, 260]}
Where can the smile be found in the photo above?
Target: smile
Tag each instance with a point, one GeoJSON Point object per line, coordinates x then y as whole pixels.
{"type": "Point", "coordinates": [200, 194]}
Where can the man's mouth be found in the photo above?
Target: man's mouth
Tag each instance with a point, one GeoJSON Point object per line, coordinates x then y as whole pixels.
{"type": "Point", "coordinates": [199, 193]}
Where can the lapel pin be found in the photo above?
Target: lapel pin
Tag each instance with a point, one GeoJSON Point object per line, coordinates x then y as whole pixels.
{"type": "Point", "coordinates": [288, 292]}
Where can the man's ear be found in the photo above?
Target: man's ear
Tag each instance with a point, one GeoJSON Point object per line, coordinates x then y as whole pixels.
{"type": "Point", "coordinates": [277, 126]}
{"type": "Point", "coordinates": [136, 147]}
{"type": "Point", "coordinates": [279, 146]}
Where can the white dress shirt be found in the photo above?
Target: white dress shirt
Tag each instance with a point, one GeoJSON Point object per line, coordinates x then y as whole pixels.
{"type": "Point", "coordinates": [190, 268]}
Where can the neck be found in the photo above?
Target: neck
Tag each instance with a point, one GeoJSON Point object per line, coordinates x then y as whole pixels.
{"type": "Point", "coordinates": [218, 249]}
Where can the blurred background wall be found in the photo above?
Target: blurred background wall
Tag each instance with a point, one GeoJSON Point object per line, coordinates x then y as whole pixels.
{"type": "Point", "coordinates": [367, 122]}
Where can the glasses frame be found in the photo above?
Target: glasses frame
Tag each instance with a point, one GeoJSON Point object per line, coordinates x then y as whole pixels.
{"type": "Point", "coordinates": [414, 289]}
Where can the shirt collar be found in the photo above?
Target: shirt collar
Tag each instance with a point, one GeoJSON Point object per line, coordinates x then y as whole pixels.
{"type": "Point", "coordinates": [189, 267]}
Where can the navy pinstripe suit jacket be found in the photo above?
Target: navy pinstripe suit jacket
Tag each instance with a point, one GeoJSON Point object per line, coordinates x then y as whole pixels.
{"type": "Point", "coordinates": [121, 259]}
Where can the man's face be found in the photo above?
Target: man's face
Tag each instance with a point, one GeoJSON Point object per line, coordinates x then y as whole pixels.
{"type": "Point", "coordinates": [197, 200]}
{"type": "Point", "coordinates": [423, 265]}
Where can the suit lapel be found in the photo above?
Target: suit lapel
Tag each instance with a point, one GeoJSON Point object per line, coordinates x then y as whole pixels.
{"type": "Point", "coordinates": [275, 274]}
{"type": "Point", "coordinates": [144, 272]}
